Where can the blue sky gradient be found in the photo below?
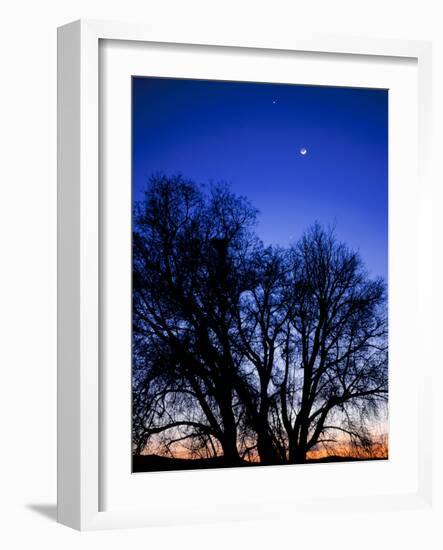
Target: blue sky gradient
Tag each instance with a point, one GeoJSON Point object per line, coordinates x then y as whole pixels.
{"type": "Point", "coordinates": [250, 136]}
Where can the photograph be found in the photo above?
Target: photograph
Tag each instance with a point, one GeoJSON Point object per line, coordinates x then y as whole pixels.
{"type": "Point", "coordinates": [259, 274]}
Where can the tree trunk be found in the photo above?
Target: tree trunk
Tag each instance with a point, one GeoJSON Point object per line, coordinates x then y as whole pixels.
{"type": "Point", "coordinates": [265, 445]}
{"type": "Point", "coordinates": [297, 454]}
{"type": "Point", "coordinates": [266, 449]}
{"type": "Point", "coordinates": [229, 438]}
{"type": "Point", "coordinates": [230, 452]}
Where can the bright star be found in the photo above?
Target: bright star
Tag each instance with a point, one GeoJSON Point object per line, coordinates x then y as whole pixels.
{"type": "Point", "coordinates": [303, 151]}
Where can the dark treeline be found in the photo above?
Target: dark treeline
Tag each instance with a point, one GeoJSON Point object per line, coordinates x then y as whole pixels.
{"type": "Point", "coordinates": [243, 351]}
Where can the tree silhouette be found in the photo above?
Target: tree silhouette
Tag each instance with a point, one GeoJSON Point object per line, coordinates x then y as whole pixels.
{"type": "Point", "coordinates": [335, 354]}
{"type": "Point", "coordinates": [262, 317]}
{"type": "Point", "coordinates": [189, 271]}
{"type": "Point", "coordinates": [243, 351]}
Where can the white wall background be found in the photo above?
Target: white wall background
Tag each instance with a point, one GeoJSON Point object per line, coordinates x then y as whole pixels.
{"type": "Point", "coordinates": [28, 266]}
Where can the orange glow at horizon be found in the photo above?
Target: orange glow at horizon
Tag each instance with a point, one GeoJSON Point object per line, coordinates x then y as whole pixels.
{"type": "Point", "coordinates": [345, 450]}
{"type": "Point", "coordinates": [342, 449]}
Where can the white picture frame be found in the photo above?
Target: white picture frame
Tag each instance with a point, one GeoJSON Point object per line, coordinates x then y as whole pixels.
{"type": "Point", "coordinates": [80, 412]}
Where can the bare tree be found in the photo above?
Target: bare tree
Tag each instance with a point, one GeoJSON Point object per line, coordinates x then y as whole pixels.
{"type": "Point", "coordinates": [244, 351]}
{"type": "Point", "coordinates": [335, 354]}
{"type": "Point", "coordinates": [189, 272]}
{"type": "Point", "coordinates": [262, 318]}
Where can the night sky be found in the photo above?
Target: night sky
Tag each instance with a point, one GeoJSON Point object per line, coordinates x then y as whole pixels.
{"type": "Point", "coordinates": [251, 136]}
